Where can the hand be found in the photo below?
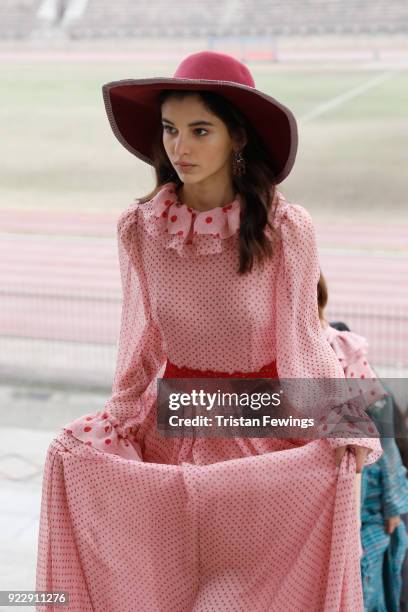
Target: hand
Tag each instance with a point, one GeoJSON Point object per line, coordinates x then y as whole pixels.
{"type": "Point", "coordinates": [391, 523]}
{"type": "Point", "coordinates": [360, 453]}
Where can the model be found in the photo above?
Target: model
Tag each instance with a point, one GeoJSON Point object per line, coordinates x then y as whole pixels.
{"type": "Point", "coordinates": [219, 274]}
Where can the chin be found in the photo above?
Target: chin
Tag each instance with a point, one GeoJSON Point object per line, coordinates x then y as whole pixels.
{"type": "Point", "coordinates": [185, 178]}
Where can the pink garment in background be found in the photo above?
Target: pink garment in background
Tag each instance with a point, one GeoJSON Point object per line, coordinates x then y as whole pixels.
{"type": "Point", "coordinates": [352, 350]}
{"type": "Point", "coordinates": [132, 521]}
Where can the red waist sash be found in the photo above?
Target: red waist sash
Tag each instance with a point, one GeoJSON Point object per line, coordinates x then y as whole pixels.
{"type": "Point", "coordinates": [173, 371]}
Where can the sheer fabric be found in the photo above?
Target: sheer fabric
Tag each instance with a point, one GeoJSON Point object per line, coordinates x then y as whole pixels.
{"type": "Point", "coordinates": [131, 520]}
{"type": "Point", "coordinates": [302, 348]}
{"type": "Point", "coordinates": [283, 296]}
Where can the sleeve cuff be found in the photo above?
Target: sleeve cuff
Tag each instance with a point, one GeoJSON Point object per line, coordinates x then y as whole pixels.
{"type": "Point", "coordinates": [374, 444]}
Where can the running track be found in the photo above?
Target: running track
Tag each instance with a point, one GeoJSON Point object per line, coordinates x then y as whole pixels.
{"type": "Point", "coordinates": [60, 279]}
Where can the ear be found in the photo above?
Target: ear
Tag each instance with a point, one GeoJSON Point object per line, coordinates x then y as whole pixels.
{"type": "Point", "coordinates": [240, 140]}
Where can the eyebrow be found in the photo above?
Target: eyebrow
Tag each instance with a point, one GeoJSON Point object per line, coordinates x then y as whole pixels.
{"type": "Point", "coordinates": [201, 122]}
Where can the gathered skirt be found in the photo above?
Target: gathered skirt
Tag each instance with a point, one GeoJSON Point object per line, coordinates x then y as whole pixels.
{"type": "Point", "coordinates": [199, 525]}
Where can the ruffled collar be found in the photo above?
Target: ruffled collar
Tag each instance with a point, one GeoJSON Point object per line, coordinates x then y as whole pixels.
{"type": "Point", "coordinates": [187, 230]}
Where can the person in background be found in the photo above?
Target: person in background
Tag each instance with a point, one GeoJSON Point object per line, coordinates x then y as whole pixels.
{"type": "Point", "coordinates": [384, 486]}
{"type": "Point", "coordinates": [401, 439]}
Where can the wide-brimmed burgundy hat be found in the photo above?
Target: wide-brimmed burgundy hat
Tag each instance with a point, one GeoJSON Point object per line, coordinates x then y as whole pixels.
{"type": "Point", "coordinates": [134, 112]}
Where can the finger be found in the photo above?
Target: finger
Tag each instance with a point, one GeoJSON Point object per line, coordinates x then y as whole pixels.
{"type": "Point", "coordinates": [394, 522]}
{"type": "Point", "coordinates": [339, 454]}
{"type": "Point", "coordinates": [360, 453]}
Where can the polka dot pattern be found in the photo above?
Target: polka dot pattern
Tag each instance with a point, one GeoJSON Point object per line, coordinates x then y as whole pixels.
{"type": "Point", "coordinates": [230, 527]}
{"type": "Point", "coordinates": [351, 350]}
{"type": "Point", "coordinates": [190, 233]}
{"type": "Point", "coordinates": [131, 520]}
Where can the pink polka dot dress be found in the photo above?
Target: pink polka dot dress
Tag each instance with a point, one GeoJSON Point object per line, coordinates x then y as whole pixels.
{"type": "Point", "coordinates": [132, 521]}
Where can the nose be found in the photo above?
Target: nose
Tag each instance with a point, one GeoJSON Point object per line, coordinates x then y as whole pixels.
{"type": "Point", "coordinates": [181, 146]}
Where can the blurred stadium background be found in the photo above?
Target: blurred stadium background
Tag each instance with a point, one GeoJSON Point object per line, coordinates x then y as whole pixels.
{"type": "Point", "coordinates": [341, 65]}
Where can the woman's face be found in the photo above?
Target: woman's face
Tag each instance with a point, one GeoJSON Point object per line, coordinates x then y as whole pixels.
{"type": "Point", "coordinates": [194, 135]}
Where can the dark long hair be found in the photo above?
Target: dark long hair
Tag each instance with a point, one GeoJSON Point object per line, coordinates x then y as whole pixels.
{"type": "Point", "coordinates": [322, 296]}
{"type": "Point", "coordinates": [256, 187]}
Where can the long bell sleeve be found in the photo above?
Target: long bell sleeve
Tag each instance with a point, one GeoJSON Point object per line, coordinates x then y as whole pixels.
{"type": "Point", "coordinates": [302, 351]}
{"type": "Point", "coordinates": [351, 350]}
{"type": "Point", "coordinates": [140, 354]}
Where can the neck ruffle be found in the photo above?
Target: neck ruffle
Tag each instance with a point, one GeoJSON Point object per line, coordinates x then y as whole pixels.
{"type": "Point", "coordinates": [187, 230]}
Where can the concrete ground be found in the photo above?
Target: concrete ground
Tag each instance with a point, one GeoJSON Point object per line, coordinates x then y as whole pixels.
{"type": "Point", "coordinates": [29, 419]}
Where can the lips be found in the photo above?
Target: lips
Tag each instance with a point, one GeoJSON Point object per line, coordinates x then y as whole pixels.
{"type": "Point", "coordinates": [184, 165]}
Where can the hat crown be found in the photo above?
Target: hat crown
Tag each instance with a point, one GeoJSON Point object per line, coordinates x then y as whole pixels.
{"type": "Point", "coordinates": [214, 66]}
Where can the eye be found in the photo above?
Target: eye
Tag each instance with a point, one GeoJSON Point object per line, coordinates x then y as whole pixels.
{"type": "Point", "coordinates": [169, 127]}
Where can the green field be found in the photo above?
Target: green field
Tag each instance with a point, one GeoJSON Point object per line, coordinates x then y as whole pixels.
{"type": "Point", "coordinates": [58, 150]}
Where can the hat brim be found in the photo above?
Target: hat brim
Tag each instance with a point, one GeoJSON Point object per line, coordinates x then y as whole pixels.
{"type": "Point", "coordinates": [134, 115]}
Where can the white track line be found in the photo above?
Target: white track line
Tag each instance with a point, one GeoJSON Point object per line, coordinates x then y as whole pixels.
{"type": "Point", "coordinates": [324, 107]}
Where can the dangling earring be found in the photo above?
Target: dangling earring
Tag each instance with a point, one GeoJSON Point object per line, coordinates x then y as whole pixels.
{"type": "Point", "coordinates": [238, 164]}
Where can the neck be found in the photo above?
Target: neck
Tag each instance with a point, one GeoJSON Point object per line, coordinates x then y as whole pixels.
{"type": "Point", "coordinates": [204, 198]}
